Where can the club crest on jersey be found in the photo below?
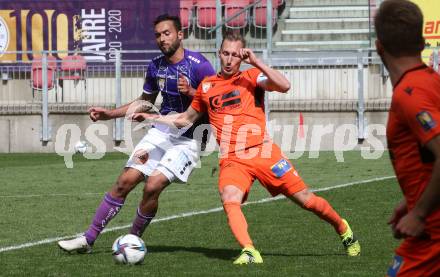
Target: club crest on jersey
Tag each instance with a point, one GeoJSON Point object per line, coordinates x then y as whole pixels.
{"type": "Point", "coordinates": [281, 168]}
{"type": "Point", "coordinates": [182, 69]}
{"type": "Point", "coordinates": [206, 87]}
{"type": "Point", "coordinates": [425, 119]}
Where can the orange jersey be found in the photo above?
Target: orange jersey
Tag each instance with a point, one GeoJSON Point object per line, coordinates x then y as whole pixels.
{"type": "Point", "coordinates": [236, 109]}
{"type": "Point", "coordinates": [414, 120]}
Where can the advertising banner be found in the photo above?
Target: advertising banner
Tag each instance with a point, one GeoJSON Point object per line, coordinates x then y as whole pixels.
{"type": "Point", "coordinates": [431, 26]}
{"type": "Point", "coordinates": [80, 25]}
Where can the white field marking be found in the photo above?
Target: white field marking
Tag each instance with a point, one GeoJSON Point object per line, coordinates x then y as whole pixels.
{"type": "Point", "coordinates": [187, 214]}
{"type": "Point", "coordinates": [80, 194]}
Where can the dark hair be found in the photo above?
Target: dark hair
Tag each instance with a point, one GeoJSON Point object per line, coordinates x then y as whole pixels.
{"type": "Point", "coordinates": [399, 27]}
{"type": "Point", "coordinates": [165, 17]}
{"type": "Point", "coordinates": [234, 36]}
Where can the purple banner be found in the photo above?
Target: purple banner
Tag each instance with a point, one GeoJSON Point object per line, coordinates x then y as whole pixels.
{"type": "Point", "coordinates": [80, 25]}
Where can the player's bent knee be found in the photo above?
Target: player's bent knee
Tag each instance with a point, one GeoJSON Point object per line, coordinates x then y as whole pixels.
{"type": "Point", "coordinates": [154, 186]}
{"type": "Point", "coordinates": [152, 190]}
{"type": "Point", "coordinates": [301, 197]}
{"type": "Point", "coordinates": [231, 193]}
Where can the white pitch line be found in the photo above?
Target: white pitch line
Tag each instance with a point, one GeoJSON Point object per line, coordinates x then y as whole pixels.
{"type": "Point", "coordinates": [187, 214]}
{"type": "Point", "coordinates": [354, 183]}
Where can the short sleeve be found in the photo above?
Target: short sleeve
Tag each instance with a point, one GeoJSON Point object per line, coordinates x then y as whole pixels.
{"type": "Point", "coordinates": [150, 84]}
{"type": "Point", "coordinates": [253, 75]}
{"type": "Point", "coordinates": [197, 102]}
{"type": "Point", "coordinates": [421, 112]}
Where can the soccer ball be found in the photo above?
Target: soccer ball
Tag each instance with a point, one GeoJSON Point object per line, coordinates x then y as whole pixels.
{"type": "Point", "coordinates": [80, 147]}
{"type": "Point", "coordinates": [129, 249]}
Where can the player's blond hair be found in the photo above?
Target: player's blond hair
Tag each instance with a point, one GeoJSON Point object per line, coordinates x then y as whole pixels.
{"type": "Point", "coordinates": [234, 36]}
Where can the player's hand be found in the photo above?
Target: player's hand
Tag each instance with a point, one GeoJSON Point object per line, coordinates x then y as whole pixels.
{"type": "Point", "coordinates": [410, 225]}
{"type": "Point", "coordinates": [248, 56]}
{"type": "Point", "coordinates": [98, 113]}
{"type": "Point", "coordinates": [139, 117]}
{"type": "Point", "coordinates": [400, 211]}
{"type": "Point", "coordinates": [183, 85]}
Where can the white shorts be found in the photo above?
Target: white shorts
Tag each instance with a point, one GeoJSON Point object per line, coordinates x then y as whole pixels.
{"type": "Point", "coordinates": [175, 157]}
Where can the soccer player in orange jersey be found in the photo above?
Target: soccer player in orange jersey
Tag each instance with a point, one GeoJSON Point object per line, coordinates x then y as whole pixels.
{"type": "Point", "coordinates": [233, 100]}
{"type": "Point", "coordinates": [413, 138]}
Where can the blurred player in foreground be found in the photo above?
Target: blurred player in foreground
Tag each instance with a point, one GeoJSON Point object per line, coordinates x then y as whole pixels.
{"type": "Point", "coordinates": [162, 156]}
{"type": "Point", "coordinates": [233, 100]}
{"type": "Point", "coordinates": [413, 138]}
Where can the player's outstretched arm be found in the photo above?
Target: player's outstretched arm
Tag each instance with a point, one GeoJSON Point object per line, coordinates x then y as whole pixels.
{"type": "Point", "coordinates": [179, 120]}
{"type": "Point", "coordinates": [413, 223]}
{"type": "Point", "coordinates": [142, 103]}
{"type": "Point", "coordinates": [275, 80]}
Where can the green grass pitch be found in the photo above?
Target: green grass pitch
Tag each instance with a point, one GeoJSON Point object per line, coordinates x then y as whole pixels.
{"type": "Point", "coordinates": [41, 199]}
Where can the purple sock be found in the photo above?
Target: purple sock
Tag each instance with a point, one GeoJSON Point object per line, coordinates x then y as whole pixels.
{"type": "Point", "coordinates": [140, 223]}
{"type": "Point", "coordinates": [108, 209]}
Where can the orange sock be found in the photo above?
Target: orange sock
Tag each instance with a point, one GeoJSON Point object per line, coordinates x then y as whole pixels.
{"type": "Point", "coordinates": [324, 210]}
{"type": "Point", "coordinates": [237, 223]}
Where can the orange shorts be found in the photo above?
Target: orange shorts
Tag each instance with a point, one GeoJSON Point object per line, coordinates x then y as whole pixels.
{"type": "Point", "coordinates": [275, 173]}
{"type": "Point", "coordinates": [416, 257]}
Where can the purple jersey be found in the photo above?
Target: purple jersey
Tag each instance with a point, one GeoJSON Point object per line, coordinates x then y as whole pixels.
{"type": "Point", "coordinates": [162, 77]}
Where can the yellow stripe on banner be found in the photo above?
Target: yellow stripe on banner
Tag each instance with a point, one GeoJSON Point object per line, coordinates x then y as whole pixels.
{"type": "Point", "coordinates": [62, 34]}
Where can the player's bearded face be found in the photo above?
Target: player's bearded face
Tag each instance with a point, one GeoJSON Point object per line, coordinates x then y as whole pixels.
{"type": "Point", "coordinates": [168, 39]}
{"type": "Point", "coordinates": [170, 48]}
{"type": "Point", "coordinates": [230, 57]}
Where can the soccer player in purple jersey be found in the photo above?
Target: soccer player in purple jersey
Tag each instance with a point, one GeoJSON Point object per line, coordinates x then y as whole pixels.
{"type": "Point", "coordinates": [162, 156]}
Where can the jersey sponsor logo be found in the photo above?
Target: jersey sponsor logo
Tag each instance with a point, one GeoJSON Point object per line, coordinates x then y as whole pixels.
{"type": "Point", "coordinates": [395, 266]}
{"type": "Point", "coordinates": [281, 168]}
{"type": "Point", "coordinates": [425, 119]}
{"type": "Point", "coordinates": [193, 59]}
{"type": "Point", "coordinates": [158, 57]}
{"type": "Point", "coordinates": [228, 101]}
